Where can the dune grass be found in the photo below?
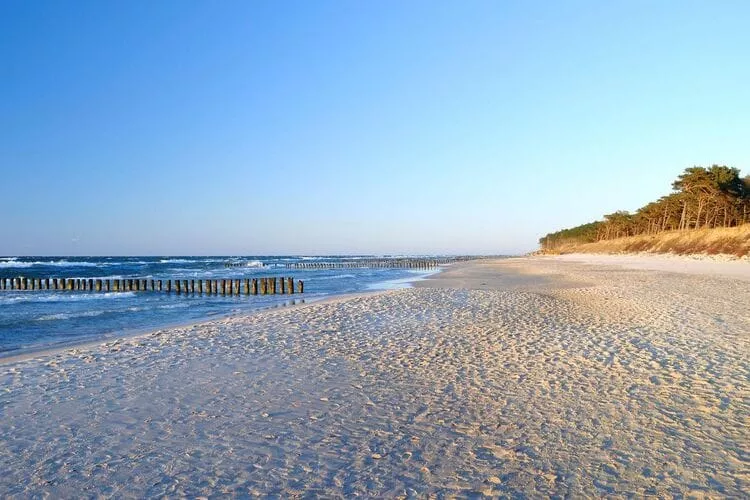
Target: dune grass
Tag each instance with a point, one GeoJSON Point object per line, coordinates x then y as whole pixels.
{"type": "Point", "coordinates": [734, 241]}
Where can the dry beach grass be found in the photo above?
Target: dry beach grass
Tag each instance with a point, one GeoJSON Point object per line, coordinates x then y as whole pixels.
{"type": "Point", "coordinates": [532, 376]}
{"type": "Point", "coordinates": [730, 241]}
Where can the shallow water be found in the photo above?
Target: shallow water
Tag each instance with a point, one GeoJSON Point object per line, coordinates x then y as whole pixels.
{"type": "Point", "coordinates": [41, 319]}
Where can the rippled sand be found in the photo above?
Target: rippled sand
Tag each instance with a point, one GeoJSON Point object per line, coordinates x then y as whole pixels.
{"type": "Point", "coordinates": [536, 377]}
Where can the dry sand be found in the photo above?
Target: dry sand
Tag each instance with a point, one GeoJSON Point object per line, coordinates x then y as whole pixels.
{"type": "Point", "coordinates": [532, 376]}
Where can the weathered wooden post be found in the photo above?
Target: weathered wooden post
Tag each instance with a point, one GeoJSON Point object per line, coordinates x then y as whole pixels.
{"type": "Point", "coordinates": [159, 285]}
{"type": "Point", "coordinates": [247, 286]}
{"type": "Point", "coordinates": [177, 287]}
{"type": "Point", "coordinates": [301, 286]}
{"type": "Point", "coordinates": [255, 286]}
{"type": "Point", "coordinates": [46, 283]}
{"type": "Point", "coordinates": [264, 286]}
{"type": "Point", "coordinates": [273, 286]}
{"type": "Point", "coordinates": [208, 287]}
{"type": "Point", "coordinates": [169, 286]}
{"type": "Point", "coordinates": [185, 285]}
{"type": "Point", "coordinates": [98, 285]}
{"type": "Point", "coordinates": [290, 285]}
{"type": "Point", "coordinates": [91, 284]}
{"type": "Point", "coordinates": [282, 290]}
{"type": "Point", "coordinates": [109, 285]}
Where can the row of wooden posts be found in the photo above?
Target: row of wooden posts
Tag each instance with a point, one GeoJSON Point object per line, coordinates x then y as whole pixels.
{"type": "Point", "coordinates": [376, 263]}
{"type": "Point", "coordinates": [255, 286]}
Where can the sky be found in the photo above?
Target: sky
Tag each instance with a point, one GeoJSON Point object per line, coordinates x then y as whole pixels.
{"type": "Point", "coordinates": [346, 127]}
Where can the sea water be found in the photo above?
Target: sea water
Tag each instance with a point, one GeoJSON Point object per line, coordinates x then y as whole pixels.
{"type": "Point", "coordinates": [40, 319]}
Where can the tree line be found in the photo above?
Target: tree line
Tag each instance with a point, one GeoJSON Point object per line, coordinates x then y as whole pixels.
{"type": "Point", "coordinates": [702, 197]}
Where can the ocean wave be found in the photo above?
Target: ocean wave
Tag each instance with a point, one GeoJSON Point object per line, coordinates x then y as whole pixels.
{"type": "Point", "coordinates": [334, 277]}
{"type": "Point", "coordinates": [62, 297]}
{"type": "Point", "coordinates": [174, 306]}
{"type": "Point", "coordinates": [59, 316]}
{"type": "Point", "coordinates": [49, 263]}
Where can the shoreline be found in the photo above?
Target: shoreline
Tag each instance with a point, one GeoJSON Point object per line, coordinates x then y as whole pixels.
{"type": "Point", "coordinates": [526, 376]}
{"type": "Point", "coordinates": [110, 337]}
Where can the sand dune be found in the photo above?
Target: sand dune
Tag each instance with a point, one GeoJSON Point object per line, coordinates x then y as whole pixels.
{"type": "Point", "coordinates": [528, 376]}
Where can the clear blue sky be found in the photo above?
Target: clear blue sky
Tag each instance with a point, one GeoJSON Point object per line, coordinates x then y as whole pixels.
{"type": "Point", "coordinates": [186, 127]}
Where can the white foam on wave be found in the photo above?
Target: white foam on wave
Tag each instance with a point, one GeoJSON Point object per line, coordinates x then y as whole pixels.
{"type": "Point", "coordinates": [62, 297]}
{"type": "Point", "coordinates": [49, 263]}
{"type": "Point", "coordinates": [254, 263]}
{"type": "Point", "coordinates": [335, 277]}
{"type": "Point", "coordinates": [174, 306]}
{"type": "Point", "coordinates": [59, 316]}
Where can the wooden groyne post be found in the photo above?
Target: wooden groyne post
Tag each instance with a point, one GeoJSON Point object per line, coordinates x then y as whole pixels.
{"type": "Point", "coordinates": [245, 286]}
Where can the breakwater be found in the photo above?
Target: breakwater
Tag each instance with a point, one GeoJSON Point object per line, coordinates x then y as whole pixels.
{"type": "Point", "coordinates": [396, 263]}
{"type": "Point", "coordinates": [239, 286]}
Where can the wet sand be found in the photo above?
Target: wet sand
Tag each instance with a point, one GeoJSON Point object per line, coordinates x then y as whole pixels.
{"type": "Point", "coordinates": [533, 376]}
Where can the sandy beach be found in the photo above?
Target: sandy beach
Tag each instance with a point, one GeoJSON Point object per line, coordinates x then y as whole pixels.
{"type": "Point", "coordinates": [535, 376]}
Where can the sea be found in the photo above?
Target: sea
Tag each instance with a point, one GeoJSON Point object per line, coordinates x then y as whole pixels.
{"type": "Point", "coordinates": [39, 319]}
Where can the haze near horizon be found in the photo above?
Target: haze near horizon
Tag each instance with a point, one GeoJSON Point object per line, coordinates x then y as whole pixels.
{"type": "Point", "coordinates": [175, 128]}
